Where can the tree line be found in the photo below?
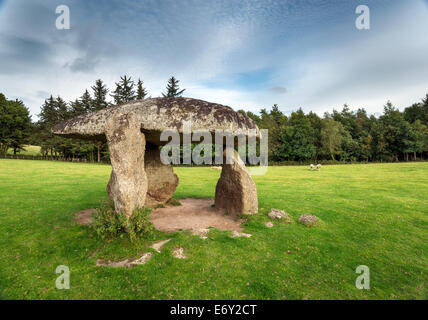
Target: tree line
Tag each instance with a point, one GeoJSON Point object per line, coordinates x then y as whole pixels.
{"type": "Point", "coordinates": [18, 130]}
{"type": "Point", "coordinates": [345, 136]}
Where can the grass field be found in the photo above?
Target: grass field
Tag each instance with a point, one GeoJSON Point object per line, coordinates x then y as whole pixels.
{"type": "Point", "coordinates": [374, 215]}
{"type": "Point", "coordinates": [28, 151]}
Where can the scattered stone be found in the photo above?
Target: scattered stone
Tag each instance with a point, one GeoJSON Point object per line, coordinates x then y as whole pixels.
{"type": "Point", "coordinates": [308, 220]}
{"type": "Point", "coordinates": [202, 233]}
{"type": "Point", "coordinates": [158, 245]}
{"type": "Point", "coordinates": [114, 264]}
{"type": "Point", "coordinates": [269, 224]}
{"type": "Point", "coordinates": [236, 234]}
{"type": "Point", "coordinates": [179, 253]}
{"type": "Point", "coordinates": [235, 191]}
{"type": "Point", "coordinates": [277, 214]}
{"type": "Point", "coordinates": [141, 260]}
{"type": "Point", "coordinates": [126, 262]}
{"type": "Point", "coordinates": [84, 217]}
{"type": "Point", "coordinates": [127, 187]}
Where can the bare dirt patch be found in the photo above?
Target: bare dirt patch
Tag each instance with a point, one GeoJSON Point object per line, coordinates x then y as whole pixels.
{"type": "Point", "coordinates": [193, 215]}
{"type": "Point", "coordinates": [84, 217]}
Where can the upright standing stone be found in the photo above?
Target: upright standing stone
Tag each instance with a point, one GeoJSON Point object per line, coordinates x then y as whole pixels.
{"type": "Point", "coordinates": [162, 181]}
{"type": "Point", "coordinates": [236, 191]}
{"type": "Point", "coordinates": [130, 126]}
{"type": "Point", "coordinates": [128, 182]}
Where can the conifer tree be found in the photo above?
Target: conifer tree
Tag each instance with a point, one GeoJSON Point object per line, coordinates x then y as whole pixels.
{"type": "Point", "coordinates": [76, 108]}
{"type": "Point", "coordinates": [141, 91]}
{"type": "Point", "coordinates": [173, 90]}
{"type": "Point", "coordinates": [48, 114]}
{"type": "Point", "coordinates": [124, 90]}
{"type": "Point", "coordinates": [86, 101]}
{"type": "Point", "coordinates": [99, 102]}
{"type": "Point", "coordinates": [100, 95]}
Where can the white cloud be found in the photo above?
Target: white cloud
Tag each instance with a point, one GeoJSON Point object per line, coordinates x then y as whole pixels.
{"type": "Point", "coordinates": [388, 62]}
{"type": "Point", "coordinates": [207, 44]}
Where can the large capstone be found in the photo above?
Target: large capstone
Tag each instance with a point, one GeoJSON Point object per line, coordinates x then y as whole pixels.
{"type": "Point", "coordinates": [236, 191]}
{"type": "Point", "coordinates": [127, 187]}
{"type": "Point", "coordinates": [162, 181]}
{"type": "Point", "coordinates": [138, 177]}
{"type": "Point", "coordinates": [159, 114]}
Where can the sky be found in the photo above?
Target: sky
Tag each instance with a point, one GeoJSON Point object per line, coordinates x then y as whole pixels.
{"type": "Point", "coordinates": [245, 54]}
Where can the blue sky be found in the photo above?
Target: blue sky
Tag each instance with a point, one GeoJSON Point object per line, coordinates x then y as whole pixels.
{"type": "Point", "coordinates": [245, 54]}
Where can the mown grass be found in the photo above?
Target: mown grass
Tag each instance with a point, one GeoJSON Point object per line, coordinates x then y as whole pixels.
{"type": "Point", "coordinates": [29, 150]}
{"type": "Point", "coordinates": [374, 215]}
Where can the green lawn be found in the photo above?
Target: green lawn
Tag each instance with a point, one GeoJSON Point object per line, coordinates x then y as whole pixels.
{"type": "Point", "coordinates": [374, 215]}
{"type": "Point", "coordinates": [28, 151]}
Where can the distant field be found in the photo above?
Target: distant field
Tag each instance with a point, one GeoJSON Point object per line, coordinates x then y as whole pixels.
{"type": "Point", "coordinates": [29, 151]}
{"type": "Point", "coordinates": [374, 215]}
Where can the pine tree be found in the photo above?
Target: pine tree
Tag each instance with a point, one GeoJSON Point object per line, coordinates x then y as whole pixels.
{"type": "Point", "coordinates": [173, 90]}
{"type": "Point", "coordinates": [48, 114]}
{"type": "Point", "coordinates": [124, 90]}
{"type": "Point", "coordinates": [141, 91]}
{"type": "Point", "coordinates": [117, 94]}
{"type": "Point", "coordinates": [100, 96]}
{"type": "Point", "coordinates": [62, 109]}
{"type": "Point", "coordinates": [424, 116]}
{"type": "Point", "coordinates": [52, 112]}
{"type": "Point", "coordinates": [76, 108]}
{"type": "Point", "coordinates": [128, 92]}
{"type": "Point", "coordinates": [99, 102]}
{"type": "Point", "coordinates": [86, 101]}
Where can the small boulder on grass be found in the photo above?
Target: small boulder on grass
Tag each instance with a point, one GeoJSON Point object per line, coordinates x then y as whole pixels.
{"type": "Point", "coordinates": [279, 215]}
{"type": "Point", "coordinates": [269, 224]}
{"type": "Point", "coordinates": [179, 253]}
{"type": "Point", "coordinates": [309, 220]}
{"type": "Point", "coordinates": [236, 234]}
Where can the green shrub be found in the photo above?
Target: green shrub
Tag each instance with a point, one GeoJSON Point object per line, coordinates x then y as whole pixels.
{"type": "Point", "coordinates": [109, 225]}
{"type": "Point", "coordinates": [139, 225]}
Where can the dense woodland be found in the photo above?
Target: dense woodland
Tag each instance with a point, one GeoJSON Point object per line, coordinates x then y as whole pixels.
{"type": "Point", "coordinates": [339, 136]}
{"type": "Point", "coordinates": [347, 136]}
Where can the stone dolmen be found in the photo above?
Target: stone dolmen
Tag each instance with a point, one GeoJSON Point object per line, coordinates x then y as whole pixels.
{"type": "Point", "coordinates": [134, 134]}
